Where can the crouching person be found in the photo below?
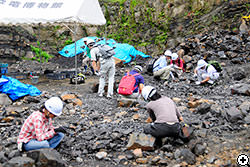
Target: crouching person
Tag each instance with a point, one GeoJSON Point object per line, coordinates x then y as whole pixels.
{"type": "Point", "coordinates": [131, 84]}
{"type": "Point", "coordinates": [38, 132]}
{"type": "Point", "coordinates": [164, 114]}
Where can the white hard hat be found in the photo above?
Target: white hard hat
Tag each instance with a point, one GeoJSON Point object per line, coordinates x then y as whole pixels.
{"type": "Point", "coordinates": [201, 63]}
{"type": "Point", "coordinates": [174, 56]}
{"type": "Point", "coordinates": [138, 68]}
{"type": "Point", "coordinates": [90, 41]}
{"type": "Point", "coordinates": [168, 53]}
{"type": "Point", "coordinates": [54, 105]}
{"type": "Point", "coordinates": [148, 91]}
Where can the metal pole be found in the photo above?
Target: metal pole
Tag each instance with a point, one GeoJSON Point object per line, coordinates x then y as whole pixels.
{"type": "Point", "coordinates": [39, 45]}
{"type": "Point", "coordinates": [75, 52]}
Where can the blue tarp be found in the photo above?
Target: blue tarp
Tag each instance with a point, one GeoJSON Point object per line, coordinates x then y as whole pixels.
{"type": "Point", "coordinates": [123, 51]}
{"type": "Point", "coordinates": [15, 89]}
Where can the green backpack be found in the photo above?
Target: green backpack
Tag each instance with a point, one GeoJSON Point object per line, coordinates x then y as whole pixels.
{"type": "Point", "coordinates": [216, 65]}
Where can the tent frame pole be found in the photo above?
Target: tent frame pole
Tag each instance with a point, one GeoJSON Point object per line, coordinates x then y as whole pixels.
{"type": "Point", "coordinates": [75, 50]}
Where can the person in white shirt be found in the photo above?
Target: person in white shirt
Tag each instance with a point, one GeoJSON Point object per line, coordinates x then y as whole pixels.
{"type": "Point", "coordinates": [205, 72]}
{"type": "Point", "coordinates": [103, 67]}
{"type": "Point", "coordinates": [161, 68]}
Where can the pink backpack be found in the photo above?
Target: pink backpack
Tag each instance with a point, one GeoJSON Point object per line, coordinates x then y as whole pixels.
{"type": "Point", "coordinates": [127, 84]}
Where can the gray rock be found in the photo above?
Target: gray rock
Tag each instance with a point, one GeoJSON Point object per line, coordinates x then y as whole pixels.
{"type": "Point", "coordinates": [199, 149]}
{"type": "Point", "coordinates": [242, 89]}
{"type": "Point", "coordinates": [14, 153]}
{"type": "Point", "coordinates": [4, 99]}
{"type": "Point", "coordinates": [141, 140]}
{"type": "Point", "coordinates": [203, 108]}
{"type": "Point", "coordinates": [233, 114]}
{"type": "Point", "coordinates": [47, 157]}
{"type": "Point", "coordinates": [188, 156]}
{"type": "Point", "coordinates": [3, 158]}
{"type": "Point", "coordinates": [247, 119]}
{"type": "Point", "coordinates": [20, 162]}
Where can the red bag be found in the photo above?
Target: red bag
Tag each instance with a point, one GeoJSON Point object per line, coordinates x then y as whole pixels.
{"type": "Point", "coordinates": [127, 84]}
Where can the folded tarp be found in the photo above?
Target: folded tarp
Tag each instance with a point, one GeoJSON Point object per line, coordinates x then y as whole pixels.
{"type": "Point", "coordinates": [123, 51]}
{"type": "Point", "coordinates": [15, 89]}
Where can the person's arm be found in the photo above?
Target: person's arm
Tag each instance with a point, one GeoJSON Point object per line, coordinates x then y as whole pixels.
{"type": "Point", "coordinates": [40, 133]}
{"type": "Point", "coordinates": [205, 80]}
{"type": "Point", "coordinates": [180, 118]}
{"type": "Point", "coordinates": [151, 114]}
{"type": "Point", "coordinates": [140, 87]}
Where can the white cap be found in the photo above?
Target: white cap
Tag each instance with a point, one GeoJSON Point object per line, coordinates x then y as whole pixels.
{"type": "Point", "coordinates": [54, 105]}
{"type": "Point", "coordinates": [148, 91]}
{"type": "Point", "coordinates": [138, 68]}
{"type": "Point", "coordinates": [201, 63]}
{"type": "Point", "coordinates": [174, 56]}
{"type": "Point", "coordinates": [168, 53]}
{"type": "Point", "coordinates": [90, 41]}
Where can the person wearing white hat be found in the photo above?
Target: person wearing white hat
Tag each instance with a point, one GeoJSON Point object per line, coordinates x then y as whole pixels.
{"type": "Point", "coordinates": [205, 72]}
{"type": "Point", "coordinates": [38, 132]}
{"type": "Point", "coordinates": [86, 55]}
{"type": "Point", "coordinates": [164, 114]}
{"type": "Point", "coordinates": [138, 85]}
{"type": "Point", "coordinates": [161, 68]}
{"type": "Point", "coordinates": [104, 66]}
{"type": "Point", "coordinates": [177, 64]}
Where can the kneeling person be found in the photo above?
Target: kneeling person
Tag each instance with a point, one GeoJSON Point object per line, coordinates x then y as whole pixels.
{"type": "Point", "coordinates": [164, 114]}
{"type": "Point", "coordinates": [38, 132]}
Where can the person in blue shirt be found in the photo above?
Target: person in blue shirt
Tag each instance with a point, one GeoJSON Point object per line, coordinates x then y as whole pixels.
{"type": "Point", "coordinates": [161, 68]}
{"type": "Point", "coordinates": [139, 84]}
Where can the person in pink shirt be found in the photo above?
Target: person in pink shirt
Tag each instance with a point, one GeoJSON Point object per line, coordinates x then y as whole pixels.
{"type": "Point", "coordinates": [38, 132]}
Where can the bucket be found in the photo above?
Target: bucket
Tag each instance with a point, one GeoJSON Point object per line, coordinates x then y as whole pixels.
{"type": "Point", "coordinates": [34, 79]}
{"type": "Point", "coordinates": [4, 68]}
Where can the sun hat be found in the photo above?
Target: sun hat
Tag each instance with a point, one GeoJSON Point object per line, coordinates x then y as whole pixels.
{"type": "Point", "coordinates": [54, 105]}
{"type": "Point", "coordinates": [201, 63]}
{"type": "Point", "coordinates": [168, 53]}
{"type": "Point", "coordinates": [90, 42]}
{"type": "Point", "coordinates": [174, 56]}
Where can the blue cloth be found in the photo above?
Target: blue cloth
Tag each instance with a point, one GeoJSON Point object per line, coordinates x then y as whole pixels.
{"type": "Point", "coordinates": [15, 89]}
{"type": "Point", "coordinates": [34, 144]}
{"type": "Point", "coordinates": [138, 80]}
{"type": "Point", "coordinates": [160, 63]}
{"type": "Point", "coordinates": [123, 51]}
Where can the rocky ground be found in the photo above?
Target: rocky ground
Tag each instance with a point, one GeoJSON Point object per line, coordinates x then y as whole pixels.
{"type": "Point", "coordinates": [99, 129]}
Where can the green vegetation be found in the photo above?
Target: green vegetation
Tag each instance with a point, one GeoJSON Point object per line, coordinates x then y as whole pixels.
{"type": "Point", "coordinates": [44, 55]}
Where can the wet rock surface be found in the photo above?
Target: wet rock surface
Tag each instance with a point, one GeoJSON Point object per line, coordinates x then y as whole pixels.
{"type": "Point", "coordinates": [98, 129]}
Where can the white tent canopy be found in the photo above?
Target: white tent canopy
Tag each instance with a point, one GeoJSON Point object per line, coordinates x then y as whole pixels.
{"type": "Point", "coordinates": [51, 11]}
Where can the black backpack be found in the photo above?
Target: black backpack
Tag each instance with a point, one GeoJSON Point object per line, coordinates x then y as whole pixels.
{"type": "Point", "coordinates": [150, 66]}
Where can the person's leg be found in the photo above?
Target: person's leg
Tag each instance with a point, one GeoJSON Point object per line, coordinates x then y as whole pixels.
{"type": "Point", "coordinates": [160, 130]}
{"type": "Point", "coordinates": [111, 79]}
{"type": "Point", "coordinates": [33, 144]}
{"type": "Point", "coordinates": [54, 141]}
{"type": "Point", "coordinates": [166, 73]}
{"type": "Point", "coordinates": [103, 73]}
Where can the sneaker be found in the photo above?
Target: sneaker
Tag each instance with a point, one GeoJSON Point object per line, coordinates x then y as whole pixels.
{"type": "Point", "coordinates": [165, 83]}
{"type": "Point", "coordinates": [100, 95]}
{"type": "Point", "coordinates": [109, 96]}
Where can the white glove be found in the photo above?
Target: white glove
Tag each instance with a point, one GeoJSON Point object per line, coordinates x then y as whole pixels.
{"type": "Point", "coordinates": [197, 82]}
{"type": "Point", "coordinates": [195, 75]}
{"type": "Point", "coordinates": [20, 146]}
